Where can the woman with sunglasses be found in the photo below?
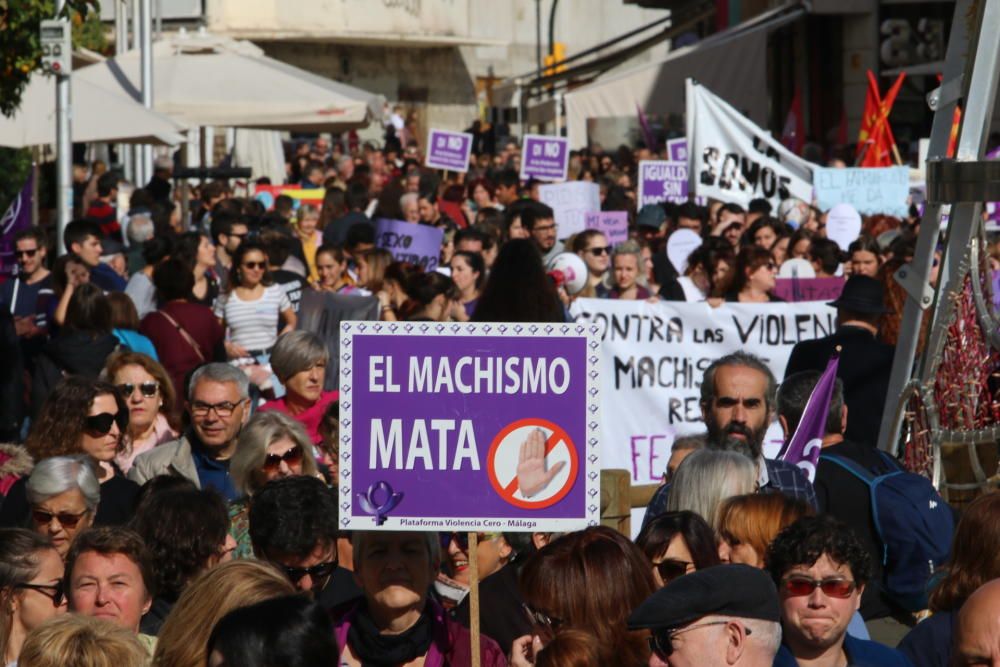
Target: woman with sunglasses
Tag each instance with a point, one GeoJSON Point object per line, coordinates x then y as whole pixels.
{"type": "Point", "coordinates": [149, 394]}
{"type": "Point", "coordinates": [63, 495]}
{"type": "Point", "coordinates": [677, 543]}
{"type": "Point", "coordinates": [271, 445]}
{"type": "Point", "coordinates": [590, 580]}
{"type": "Point", "coordinates": [31, 588]}
{"type": "Point", "coordinates": [253, 307]}
{"type": "Point", "coordinates": [80, 417]}
{"type": "Point", "coordinates": [754, 277]}
{"type": "Point", "coordinates": [593, 248]}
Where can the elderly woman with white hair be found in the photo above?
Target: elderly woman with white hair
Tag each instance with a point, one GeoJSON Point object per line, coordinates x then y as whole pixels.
{"type": "Point", "coordinates": [707, 477]}
{"type": "Point", "coordinates": [409, 205]}
{"type": "Point", "coordinates": [63, 495]}
{"type": "Point", "coordinates": [271, 445]}
{"type": "Point", "coordinates": [299, 360]}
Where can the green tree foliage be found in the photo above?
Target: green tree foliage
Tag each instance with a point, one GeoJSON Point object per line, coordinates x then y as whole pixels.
{"type": "Point", "coordinates": [20, 47]}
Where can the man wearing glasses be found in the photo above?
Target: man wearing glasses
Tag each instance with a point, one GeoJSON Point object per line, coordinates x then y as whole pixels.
{"type": "Point", "coordinates": [821, 569]}
{"type": "Point", "coordinates": [723, 616]}
{"type": "Point", "coordinates": [219, 406]}
{"type": "Point", "coordinates": [293, 524]}
{"type": "Point", "coordinates": [27, 296]}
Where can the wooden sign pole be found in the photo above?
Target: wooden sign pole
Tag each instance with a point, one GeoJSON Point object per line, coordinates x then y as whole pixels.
{"type": "Point", "coordinates": [474, 597]}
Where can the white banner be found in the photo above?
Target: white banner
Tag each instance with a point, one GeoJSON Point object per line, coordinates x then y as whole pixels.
{"type": "Point", "coordinates": [734, 160]}
{"type": "Point", "coordinates": [654, 356]}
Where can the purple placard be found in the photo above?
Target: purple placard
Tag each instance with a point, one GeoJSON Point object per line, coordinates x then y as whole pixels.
{"type": "Point", "coordinates": [614, 224]}
{"type": "Point", "coordinates": [544, 158]}
{"type": "Point", "coordinates": [409, 242]}
{"type": "Point", "coordinates": [16, 218]}
{"type": "Point", "coordinates": [677, 149]}
{"type": "Point", "coordinates": [432, 426]}
{"type": "Point", "coordinates": [448, 150]}
{"type": "Point", "coordinates": [808, 289]}
{"type": "Point", "coordinates": [662, 180]}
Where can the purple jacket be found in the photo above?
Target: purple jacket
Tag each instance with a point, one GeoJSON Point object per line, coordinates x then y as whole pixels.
{"type": "Point", "coordinates": [450, 646]}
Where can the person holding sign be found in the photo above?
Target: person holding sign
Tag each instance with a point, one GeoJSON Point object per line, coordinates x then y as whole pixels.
{"type": "Point", "coordinates": [754, 277]}
{"type": "Point", "coordinates": [397, 623]}
{"type": "Point", "coordinates": [593, 248]}
{"type": "Point", "coordinates": [628, 277]}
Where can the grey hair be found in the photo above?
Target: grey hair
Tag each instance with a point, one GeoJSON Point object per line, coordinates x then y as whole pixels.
{"type": "Point", "coordinates": [742, 359]}
{"type": "Point", "coordinates": [60, 474]}
{"type": "Point", "coordinates": [765, 635]}
{"type": "Point", "coordinates": [297, 351]}
{"type": "Point", "coordinates": [690, 442]}
{"type": "Point", "coordinates": [707, 477]}
{"type": "Point", "coordinates": [628, 248]}
{"type": "Point", "coordinates": [263, 429]}
{"type": "Point", "coordinates": [140, 228]}
{"type": "Point", "coordinates": [360, 537]}
{"type": "Point", "coordinates": [409, 197]}
{"type": "Point", "coordinates": [220, 372]}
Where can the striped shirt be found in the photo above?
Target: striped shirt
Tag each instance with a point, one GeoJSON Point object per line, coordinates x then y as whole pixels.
{"type": "Point", "coordinates": [253, 324]}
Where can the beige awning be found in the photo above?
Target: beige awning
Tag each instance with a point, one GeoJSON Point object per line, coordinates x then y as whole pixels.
{"type": "Point", "coordinates": [732, 62]}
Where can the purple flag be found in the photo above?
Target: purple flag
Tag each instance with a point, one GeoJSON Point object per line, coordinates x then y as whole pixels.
{"type": "Point", "coordinates": [804, 447]}
{"type": "Point", "coordinates": [647, 131]}
{"type": "Point", "coordinates": [15, 218]}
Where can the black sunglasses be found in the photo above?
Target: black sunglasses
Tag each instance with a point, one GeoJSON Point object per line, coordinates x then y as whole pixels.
{"type": "Point", "coordinates": [55, 592]}
{"type": "Point", "coordinates": [597, 252]}
{"type": "Point", "coordinates": [101, 424]}
{"type": "Point", "coordinates": [671, 568]}
{"type": "Point", "coordinates": [291, 457]}
{"type": "Point", "coordinates": [147, 389]}
{"type": "Point", "coordinates": [255, 265]}
{"type": "Point", "coordinates": [26, 253]}
{"type": "Point", "coordinates": [317, 572]}
{"type": "Point", "coordinates": [661, 641]}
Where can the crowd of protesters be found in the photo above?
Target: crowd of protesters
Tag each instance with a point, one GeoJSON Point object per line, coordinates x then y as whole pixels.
{"type": "Point", "coordinates": [170, 478]}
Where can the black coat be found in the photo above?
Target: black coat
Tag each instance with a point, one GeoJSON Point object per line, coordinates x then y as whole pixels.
{"type": "Point", "coordinates": [865, 366]}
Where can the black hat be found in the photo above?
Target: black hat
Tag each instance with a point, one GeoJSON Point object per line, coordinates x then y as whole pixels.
{"type": "Point", "coordinates": [740, 591]}
{"type": "Point", "coordinates": [861, 295]}
{"type": "Point", "coordinates": [651, 215]}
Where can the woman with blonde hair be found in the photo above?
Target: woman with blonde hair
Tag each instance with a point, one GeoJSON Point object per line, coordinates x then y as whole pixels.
{"type": "Point", "coordinates": [271, 445]}
{"type": "Point", "coordinates": [207, 599]}
{"type": "Point", "coordinates": [306, 229]}
{"type": "Point", "coordinates": [748, 524]}
{"type": "Point", "coordinates": [628, 275]}
{"type": "Point", "coordinates": [75, 640]}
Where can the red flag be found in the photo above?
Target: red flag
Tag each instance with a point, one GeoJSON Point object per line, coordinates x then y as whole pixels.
{"type": "Point", "coordinates": [876, 135]}
{"type": "Point", "coordinates": [793, 136]}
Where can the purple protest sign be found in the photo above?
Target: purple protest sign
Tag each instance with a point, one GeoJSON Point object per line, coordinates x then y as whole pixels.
{"type": "Point", "coordinates": [464, 427]}
{"type": "Point", "coordinates": [409, 242]}
{"type": "Point", "coordinates": [614, 224]}
{"type": "Point", "coordinates": [448, 150]}
{"type": "Point", "coordinates": [662, 180]}
{"type": "Point", "coordinates": [544, 158]}
{"type": "Point", "coordinates": [677, 149]}
{"type": "Point", "coordinates": [806, 443]}
{"type": "Point", "coordinates": [16, 218]}
{"type": "Point", "coordinates": [808, 289]}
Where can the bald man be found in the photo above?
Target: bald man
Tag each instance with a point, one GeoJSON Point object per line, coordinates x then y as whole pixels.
{"type": "Point", "coordinates": [977, 638]}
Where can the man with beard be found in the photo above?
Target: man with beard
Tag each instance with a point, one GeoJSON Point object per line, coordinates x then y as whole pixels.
{"type": "Point", "coordinates": [737, 404]}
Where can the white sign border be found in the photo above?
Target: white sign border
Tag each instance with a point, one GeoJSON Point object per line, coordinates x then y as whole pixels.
{"type": "Point", "coordinates": [591, 465]}
{"type": "Point", "coordinates": [543, 137]}
{"type": "Point", "coordinates": [428, 156]}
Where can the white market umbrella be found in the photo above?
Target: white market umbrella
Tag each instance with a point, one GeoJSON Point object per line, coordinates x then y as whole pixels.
{"type": "Point", "coordinates": [99, 113]}
{"type": "Point", "coordinates": [206, 80]}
